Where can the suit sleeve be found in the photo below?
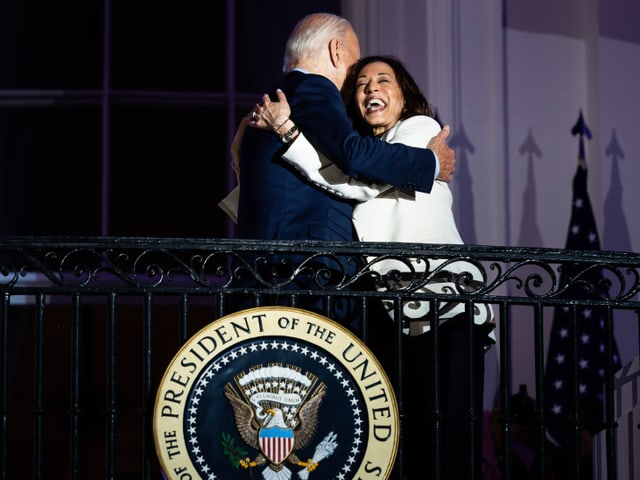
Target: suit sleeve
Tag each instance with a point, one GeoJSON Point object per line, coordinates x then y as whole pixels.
{"type": "Point", "coordinates": [319, 112]}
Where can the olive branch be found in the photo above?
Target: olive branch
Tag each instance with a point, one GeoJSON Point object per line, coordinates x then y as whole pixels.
{"type": "Point", "coordinates": [233, 452]}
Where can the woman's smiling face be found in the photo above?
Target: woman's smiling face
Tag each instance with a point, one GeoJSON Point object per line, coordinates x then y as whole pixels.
{"type": "Point", "coordinates": [379, 96]}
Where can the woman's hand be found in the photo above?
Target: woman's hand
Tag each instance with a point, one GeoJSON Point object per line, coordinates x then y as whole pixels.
{"type": "Point", "coordinates": [270, 115]}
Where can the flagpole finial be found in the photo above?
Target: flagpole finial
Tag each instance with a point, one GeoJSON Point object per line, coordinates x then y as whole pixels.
{"type": "Point", "coordinates": [582, 130]}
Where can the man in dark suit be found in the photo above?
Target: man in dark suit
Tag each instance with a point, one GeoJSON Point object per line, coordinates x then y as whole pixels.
{"type": "Point", "coordinates": [279, 204]}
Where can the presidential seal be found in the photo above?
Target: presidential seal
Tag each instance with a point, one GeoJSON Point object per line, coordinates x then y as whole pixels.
{"type": "Point", "coordinates": [275, 393]}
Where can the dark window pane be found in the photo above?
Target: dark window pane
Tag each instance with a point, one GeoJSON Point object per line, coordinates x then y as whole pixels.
{"type": "Point", "coordinates": [262, 29]}
{"type": "Point", "coordinates": [168, 171]}
{"type": "Point", "coordinates": [48, 44]}
{"type": "Point", "coordinates": [50, 171]}
{"type": "Point", "coordinates": [169, 45]}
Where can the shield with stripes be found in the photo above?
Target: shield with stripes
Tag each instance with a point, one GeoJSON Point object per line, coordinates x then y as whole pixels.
{"type": "Point", "coordinates": [276, 443]}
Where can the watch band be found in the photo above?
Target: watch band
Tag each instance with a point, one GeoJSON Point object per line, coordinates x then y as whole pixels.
{"type": "Point", "coordinates": [286, 137]}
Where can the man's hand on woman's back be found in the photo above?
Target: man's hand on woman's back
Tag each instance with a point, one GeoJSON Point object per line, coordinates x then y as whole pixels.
{"type": "Point", "coordinates": [446, 155]}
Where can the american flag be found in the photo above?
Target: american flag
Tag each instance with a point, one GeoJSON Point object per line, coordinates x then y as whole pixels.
{"type": "Point", "coordinates": [589, 325]}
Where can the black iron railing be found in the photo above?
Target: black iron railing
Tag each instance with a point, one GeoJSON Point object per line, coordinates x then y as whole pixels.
{"type": "Point", "coordinates": [88, 325]}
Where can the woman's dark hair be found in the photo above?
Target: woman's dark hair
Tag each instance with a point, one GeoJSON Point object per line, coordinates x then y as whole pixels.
{"type": "Point", "coordinates": [415, 101]}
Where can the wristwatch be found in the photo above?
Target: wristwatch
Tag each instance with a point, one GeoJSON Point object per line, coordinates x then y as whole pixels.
{"type": "Point", "coordinates": [288, 136]}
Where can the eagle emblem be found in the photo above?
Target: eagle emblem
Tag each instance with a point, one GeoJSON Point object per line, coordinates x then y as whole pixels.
{"type": "Point", "coordinates": [275, 409]}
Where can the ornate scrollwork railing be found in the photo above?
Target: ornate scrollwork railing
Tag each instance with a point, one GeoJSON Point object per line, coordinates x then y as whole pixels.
{"type": "Point", "coordinates": [78, 299]}
{"type": "Point", "coordinates": [163, 265]}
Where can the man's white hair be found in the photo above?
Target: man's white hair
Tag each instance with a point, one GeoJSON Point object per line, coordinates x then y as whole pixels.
{"type": "Point", "coordinates": [311, 35]}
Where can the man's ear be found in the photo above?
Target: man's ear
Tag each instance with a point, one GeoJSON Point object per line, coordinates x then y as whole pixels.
{"type": "Point", "coordinates": [334, 56]}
